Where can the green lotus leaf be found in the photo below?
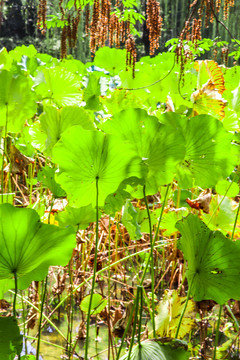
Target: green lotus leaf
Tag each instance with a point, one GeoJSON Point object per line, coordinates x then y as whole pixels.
{"type": "Point", "coordinates": [226, 187]}
{"type": "Point", "coordinates": [224, 217]}
{"type": "Point", "coordinates": [209, 152]}
{"type": "Point", "coordinates": [47, 176]}
{"type": "Point", "coordinates": [149, 72]}
{"type": "Point", "coordinates": [115, 201]}
{"type": "Point", "coordinates": [160, 147]}
{"type": "Point", "coordinates": [73, 65]}
{"type": "Point", "coordinates": [25, 57]}
{"type": "Point", "coordinates": [5, 59]}
{"type": "Point", "coordinates": [77, 217]}
{"type": "Point", "coordinates": [59, 85]}
{"type": "Point", "coordinates": [29, 247]}
{"type": "Point", "coordinates": [17, 100]}
{"type": "Point", "coordinates": [213, 261]}
{"type": "Point", "coordinates": [231, 79]}
{"type": "Point", "coordinates": [120, 100]}
{"type": "Point", "coordinates": [87, 156]}
{"type": "Point", "coordinates": [97, 305]}
{"type": "Point", "coordinates": [92, 92]}
{"type": "Point", "coordinates": [152, 350]}
{"type": "Point", "coordinates": [130, 221]}
{"type": "Point", "coordinates": [54, 122]}
{"type": "Point", "coordinates": [10, 338]}
{"type": "Point", "coordinates": [19, 51]}
{"type": "Point", "coordinates": [169, 311]}
{"type": "Point", "coordinates": [112, 59]}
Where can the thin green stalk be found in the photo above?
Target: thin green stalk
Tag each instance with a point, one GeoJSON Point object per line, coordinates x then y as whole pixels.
{"type": "Point", "coordinates": [97, 273]}
{"type": "Point", "coordinates": [127, 327]}
{"type": "Point", "coordinates": [15, 294]}
{"type": "Point", "coordinates": [140, 315]}
{"type": "Point", "coordinates": [45, 317]}
{"type": "Point", "coordinates": [152, 261]}
{"type": "Point", "coordinates": [24, 325]}
{"type": "Point", "coordinates": [44, 290]}
{"type": "Point", "coordinates": [134, 322]}
{"type": "Point", "coordinates": [45, 342]}
{"type": "Point", "coordinates": [233, 317]}
{"type": "Point", "coordinates": [136, 271]}
{"type": "Point", "coordinates": [185, 307]}
{"type": "Point", "coordinates": [4, 153]}
{"type": "Point", "coordinates": [50, 211]}
{"type": "Point", "coordinates": [70, 311]}
{"type": "Point", "coordinates": [156, 233]}
{"type": "Point", "coordinates": [217, 333]}
{"type": "Point", "coordinates": [109, 291]}
{"type": "Point", "coordinates": [218, 206]}
{"type": "Point", "coordinates": [235, 222]}
{"type": "Point", "coordinates": [94, 275]}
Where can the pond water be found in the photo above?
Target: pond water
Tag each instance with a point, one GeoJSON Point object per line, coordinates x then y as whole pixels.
{"type": "Point", "coordinates": [98, 345]}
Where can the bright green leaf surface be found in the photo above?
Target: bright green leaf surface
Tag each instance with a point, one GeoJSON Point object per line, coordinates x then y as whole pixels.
{"type": "Point", "coordinates": [5, 60]}
{"type": "Point", "coordinates": [17, 101]}
{"type": "Point", "coordinates": [152, 350]}
{"type": "Point", "coordinates": [208, 150]}
{"type": "Point", "coordinates": [213, 261]}
{"type": "Point", "coordinates": [10, 338]}
{"type": "Point", "coordinates": [29, 247]}
{"type": "Point", "coordinates": [54, 122]}
{"type": "Point", "coordinates": [77, 217]}
{"type": "Point", "coordinates": [224, 217]}
{"type": "Point", "coordinates": [85, 156]}
{"type": "Point", "coordinates": [159, 146]}
{"type": "Point", "coordinates": [130, 221]}
{"type": "Point", "coordinates": [231, 189]}
{"type": "Point", "coordinates": [97, 305]}
{"type": "Point", "coordinates": [60, 86]}
{"type": "Point", "coordinates": [112, 60]}
{"type": "Point", "coordinates": [47, 176]}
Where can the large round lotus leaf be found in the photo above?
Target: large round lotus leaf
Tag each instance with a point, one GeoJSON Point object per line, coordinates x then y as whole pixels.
{"type": "Point", "coordinates": [120, 100]}
{"type": "Point", "coordinates": [17, 100]}
{"type": "Point", "coordinates": [160, 147]}
{"type": "Point", "coordinates": [76, 217]}
{"type": "Point", "coordinates": [151, 350]}
{"type": "Point", "coordinates": [29, 247]}
{"type": "Point", "coordinates": [87, 156]}
{"type": "Point", "coordinates": [54, 122]}
{"type": "Point", "coordinates": [148, 72]}
{"type": "Point", "coordinates": [10, 338]}
{"type": "Point", "coordinates": [59, 85]}
{"type": "Point", "coordinates": [208, 150]}
{"type": "Point", "coordinates": [112, 60]}
{"type": "Point", "coordinates": [213, 261]}
{"type": "Point", "coordinates": [19, 51]}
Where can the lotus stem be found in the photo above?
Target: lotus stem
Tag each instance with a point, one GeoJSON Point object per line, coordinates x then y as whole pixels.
{"type": "Point", "coordinates": [15, 294]}
{"type": "Point", "coordinates": [235, 222]}
{"type": "Point", "coordinates": [94, 275]}
{"type": "Point", "coordinates": [140, 315]}
{"type": "Point", "coordinates": [127, 327]}
{"type": "Point", "coordinates": [134, 322]}
{"type": "Point", "coordinates": [44, 290]}
{"type": "Point", "coordinates": [185, 307]}
{"type": "Point", "coordinates": [217, 333]}
{"type": "Point", "coordinates": [152, 261]}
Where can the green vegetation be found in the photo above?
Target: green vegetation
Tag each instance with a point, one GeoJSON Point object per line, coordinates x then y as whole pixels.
{"type": "Point", "coordinates": [119, 205]}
